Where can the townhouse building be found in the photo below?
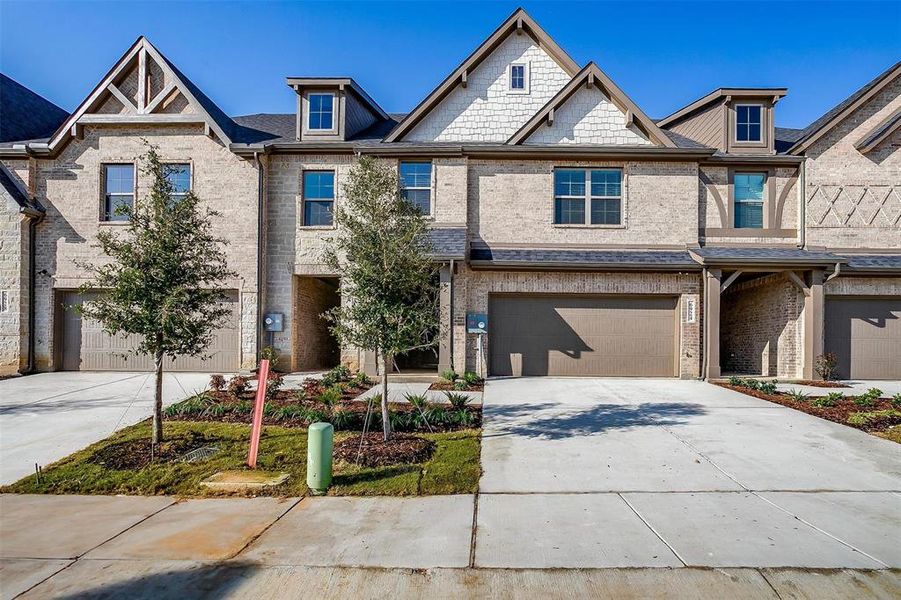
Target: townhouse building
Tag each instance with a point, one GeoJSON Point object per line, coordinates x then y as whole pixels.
{"type": "Point", "coordinates": [593, 239]}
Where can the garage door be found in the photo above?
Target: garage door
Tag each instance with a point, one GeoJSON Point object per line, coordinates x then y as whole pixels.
{"type": "Point", "coordinates": [571, 335]}
{"type": "Point", "coordinates": [86, 347]}
{"type": "Point", "coordinates": [865, 335]}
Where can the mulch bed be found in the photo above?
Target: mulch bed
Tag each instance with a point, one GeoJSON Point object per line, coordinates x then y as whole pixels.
{"type": "Point", "coordinates": [446, 386]}
{"type": "Point", "coordinates": [820, 383]}
{"type": "Point", "coordinates": [838, 413]}
{"type": "Point", "coordinates": [136, 454]}
{"type": "Point", "coordinates": [399, 449]}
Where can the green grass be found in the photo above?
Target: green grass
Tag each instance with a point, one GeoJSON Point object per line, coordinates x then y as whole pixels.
{"type": "Point", "coordinates": [892, 433]}
{"type": "Point", "coordinates": [453, 468]}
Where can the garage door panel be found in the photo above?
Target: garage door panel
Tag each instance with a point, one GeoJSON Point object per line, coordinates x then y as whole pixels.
{"type": "Point", "coordinates": [865, 335]}
{"type": "Point", "coordinates": [580, 335]}
{"type": "Point", "coordinates": [86, 347]}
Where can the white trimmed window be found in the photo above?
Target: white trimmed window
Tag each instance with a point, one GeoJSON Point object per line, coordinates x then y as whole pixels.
{"type": "Point", "coordinates": [416, 185]}
{"type": "Point", "coordinates": [118, 191]}
{"type": "Point", "coordinates": [321, 112]}
{"type": "Point", "coordinates": [588, 197]}
{"type": "Point", "coordinates": [748, 123]}
{"type": "Point", "coordinates": [518, 78]}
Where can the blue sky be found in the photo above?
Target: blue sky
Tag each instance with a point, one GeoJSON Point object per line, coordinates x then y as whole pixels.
{"type": "Point", "coordinates": [663, 55]}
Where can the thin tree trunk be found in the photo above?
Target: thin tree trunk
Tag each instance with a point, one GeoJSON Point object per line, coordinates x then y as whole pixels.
{"type": "Point", "coordinates": [386, 422]}
{"type": "Point", "coordinates": [158, 401]}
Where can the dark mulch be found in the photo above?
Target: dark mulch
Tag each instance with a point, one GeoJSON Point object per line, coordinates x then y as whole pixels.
{"type": "Point", "coordinates": [399, 449]}
{"type": "Point", "coordinates": [838, 413]}
{"type": "Point", "coordinates": [821, 383]}
{"type": "Point", "coordinates": [442, 385]}
{"type": "Point", "coordinates": [136, 454]}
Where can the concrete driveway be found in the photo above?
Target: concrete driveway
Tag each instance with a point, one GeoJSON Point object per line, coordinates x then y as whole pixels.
{"type": "Point", "coordinates": [662, 473]}
{"type": "Point", "coordinates": [47, 416]}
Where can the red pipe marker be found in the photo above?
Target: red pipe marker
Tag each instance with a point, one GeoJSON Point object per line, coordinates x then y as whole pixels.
{"type": "Point", "coordinates": [262, 382]}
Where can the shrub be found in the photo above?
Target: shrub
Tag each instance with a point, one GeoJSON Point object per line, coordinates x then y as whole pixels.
{"type": "Point", "coordinates": [437, 415]}
{"type": "Point", "coordinates": [768, 387]}
{"type": "Point", "coordinates": [342, 418]}
{"type": "Point", "coordinates": [896, 399]}
{"type": "Point", "coordinates": [360, 380]}
{"type": "Point", "coordinates": [456, 400]}
{"type": "Point", "coordinates": [830, 399]}
{"type": "Point", "coordinates": [865, 418]}
{"type": "Point", "coordinates": [797, 395]}
{"type": "Point", "coordinates": [195, 405]}
{"type": "Point", "coordinates": [289, 411]}
{"type": "Point", "coordinates": [273, 386]}
{"type": "Point", "coordinates": [736, 381]}
{"type": "Point", "coordinates": [336, 375]}
{"type": "Point", "coordinates": [269, 353]}
{"type": "Point", "coordinates": [419, 401]}
{"type": "Point", "coordinates": [460, 385]}
{"type": "Point", "coordinates": [471, 378]}
{"type": "Point", "coordinates": [217, 383]}
{"type": "Point", "coordinates": [825, 364]}
{"type": "Point", "coordinates": [403, 421]}
{"type": "Point", "coordinates": [312, 415]}
{"type": "Point", "coordinates": [449, 375]}
{"type": "Point", "coordinates": [309, 389]}
{"type": "Point", "coordinates": [215, 410]}
{"type": "Point", "coordinates": [462, 417]}
{"type": "Point", "coordinates": [752, 384]}
{"type": "Point", "coordinates": [329, 397]}
{"type": "Point", "coordinates": [237, 386]}
{"type": "Point", "coordinates": [868, 398]}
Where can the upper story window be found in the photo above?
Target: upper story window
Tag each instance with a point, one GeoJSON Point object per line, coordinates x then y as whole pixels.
{"type": "Point", "coordinates": [748, 195]}
{"type": "Point", "coordinates": [416, 185]}
{"type": "Point", "coordinates": [748, 123]}
{"type": "Point", "coordinates": [595, 193]}
{"type": "Point", "coordinates": [318, 197]}
{"type": "Point", "coordinates": [518, 78]}
{"type": "Point", "coordinates": [179, 175]}
{"type": "Point", "coordinates": [118, 191]}
{"type": "Point", "coordinates": [322, 112]}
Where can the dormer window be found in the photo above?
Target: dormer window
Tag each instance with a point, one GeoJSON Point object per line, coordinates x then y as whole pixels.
{"type": "Point", "coordinates": [322, 112]}
{"type": "Point", "coordinates": [748, 123]}
{"type": "Point", "coordinates": [518, 78]}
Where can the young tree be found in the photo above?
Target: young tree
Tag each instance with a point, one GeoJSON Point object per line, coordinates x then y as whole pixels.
{"type": "Point", "coordinates": [382, 252]}
{"type": "Point", "coordinates": [161, 279]}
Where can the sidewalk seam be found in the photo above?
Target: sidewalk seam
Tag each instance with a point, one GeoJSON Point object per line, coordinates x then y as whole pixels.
{"type": "Point", "coordinates": [475, 529]}
{"type": "Point", "coordinates": [655, 532]}
{"type": "Point", "coordinates": [770, 583]}
{"type": "Point", "coordinates": [707, 458]}
{"type": "Point", "coordinates": [54, 574]}
{"type": "Point", "coordinates": [265, 529]}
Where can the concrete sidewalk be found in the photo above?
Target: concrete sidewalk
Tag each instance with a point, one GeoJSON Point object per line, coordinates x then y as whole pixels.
{"type": "Point", "coordinates": [133, 547]}
{"type": "Point", "coordinates": [47, 416]}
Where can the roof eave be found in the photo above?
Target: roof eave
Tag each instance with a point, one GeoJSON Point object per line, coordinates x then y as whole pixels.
{"type": "Point", "coordinates": [580, 266]}
{"type": "Point", "coordinates": [775, 93]}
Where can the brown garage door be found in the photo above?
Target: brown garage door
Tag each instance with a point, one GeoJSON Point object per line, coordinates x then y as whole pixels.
{"type": "Point", "coordinates": [582, 335]}
{"type": "Point", "coordinates": [865, 335]}
{"type": "Point", "coordinates": [86, 347]}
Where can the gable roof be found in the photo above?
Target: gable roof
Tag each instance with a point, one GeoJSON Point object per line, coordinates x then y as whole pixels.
{"type": "Point", "coordinates": [341, 82]}
{"type": "Point", "coordinates": [717, 94]}
{"type": "Point", "coordinates": [25, 115]}
{"type": "Point", "coordinates": [838, 113]}
{"type": "Point", "coordinates": [207, 110]}
{"type": "Point", "coordinates": [880, 133]}
{"type": "Point", "coordinates": [518, 22]}
{"type": "Point", "coordinates": [592, 75]}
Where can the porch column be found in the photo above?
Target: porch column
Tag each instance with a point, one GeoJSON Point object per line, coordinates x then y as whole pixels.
{"type": "Point", "coordinates": [445, 316]}
{"type": "Point", "coordinates": [370, 363]}
{"type": "Point", "coordinates": [712, 324]}
{"type": "Point", "coordinates": [814, 315]}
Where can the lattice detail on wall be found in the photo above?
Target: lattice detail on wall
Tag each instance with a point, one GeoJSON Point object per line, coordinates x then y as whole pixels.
{"type": "Point", "coordinates": [854, 206]}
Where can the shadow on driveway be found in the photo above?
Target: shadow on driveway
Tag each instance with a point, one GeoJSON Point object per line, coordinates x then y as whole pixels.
{"type": "Point", "coordinates": [527, 420]}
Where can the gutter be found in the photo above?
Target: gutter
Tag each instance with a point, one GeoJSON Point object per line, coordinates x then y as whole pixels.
{"type": "Point", "coordinates": [563, 266]}
{"type": "Point", "coordinates": [704, 326]}
{"type": "Point", "coordinates": [33, 218]}
{"type": "Point", "coordinates": [802, 204]}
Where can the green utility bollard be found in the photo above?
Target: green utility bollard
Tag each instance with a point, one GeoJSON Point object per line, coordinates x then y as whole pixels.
{"type": "Point", "coordinates": [319, 457]}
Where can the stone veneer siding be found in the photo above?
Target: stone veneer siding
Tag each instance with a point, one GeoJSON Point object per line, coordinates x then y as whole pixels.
{"type": "Point", "coordinates": [473, 287]}
{"type": "Point", "coordinates": [761, 328]}
{"type": "Point", "coordinates": [70, 188]}
{"type": "Point", "coordinates": [14, 264]}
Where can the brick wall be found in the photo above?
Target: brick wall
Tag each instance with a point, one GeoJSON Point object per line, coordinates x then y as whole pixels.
{"type": "Point", "coordinates": [70, 188]}
{"type": "Point", "coordinates": [864, 286]}
{"type": "Point", "coordinates": [472, 288]}
{"type": "Point", "coordinates": [854, 199]}
{"type": "Point", "coordinates": [761, 328]}
{"type": "Point", "coordinates": [315, 348]}
{"type": "Point", "coordinates": [14, 282]}
{"type": "Point", "coordinates": [484, 111]}
{"type": "Point", "coordinates": [512, 202]}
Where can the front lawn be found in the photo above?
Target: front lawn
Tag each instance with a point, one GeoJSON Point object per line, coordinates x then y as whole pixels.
{"type": "Point", "coordinates": [870, 412]}
{"type": "Point", "coordinates": [102, 468]}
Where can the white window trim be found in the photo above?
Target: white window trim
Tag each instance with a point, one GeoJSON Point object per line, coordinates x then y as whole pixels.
{"type": "Point", "coordinates": [527, 77]}
{"type": "Point", "coordinates": [104, 217]}
{"type": "Point", "coordinates": [315, 130]}
{"type": "Point", "coordinates": [587, 198]}
{"type": "Point", "coordinates": [190, 165]}
{"type": "Point", "coordinates": [431, 186]}
{"type": "Point", "coordinates": [756, 142]}
{"type": "Point", "coordinates": [304, 199]}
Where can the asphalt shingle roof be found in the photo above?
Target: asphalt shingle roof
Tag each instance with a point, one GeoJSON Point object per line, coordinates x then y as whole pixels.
{"type": "Point", "coordinates": [873, 262]}
{"type": "Point", "coordinates": [24, 115]}
{"type": "Point", "coordinates": [623, 258]}
{"type": "Point", "coordinates": [764, 254]}
{"type": "Point", "coordinates": [448, 242]}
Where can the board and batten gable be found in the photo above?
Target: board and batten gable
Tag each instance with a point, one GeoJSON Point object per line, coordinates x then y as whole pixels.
{"type": "Point", "coordinates": [485, 110]}
{"type": "Point", "coordinates": [588, 117]}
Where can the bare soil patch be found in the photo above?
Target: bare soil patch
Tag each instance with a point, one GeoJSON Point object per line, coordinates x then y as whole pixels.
{"type": "Point", "coordinates": [399, 449]}
{"type": "Point", "coordinates": [137, 454]}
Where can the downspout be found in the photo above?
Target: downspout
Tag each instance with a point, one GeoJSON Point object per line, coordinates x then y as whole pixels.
{"type": "Point", "coordinates": [450, 336]}
{"type": "Point", "coordinates": [802, 205]}
{"type": "Point", "coordinates": [32, 276]}
{"type": "Point", "coordinates": [260, 265]}
{"type": "Point", "coordinates": [704, 326]}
